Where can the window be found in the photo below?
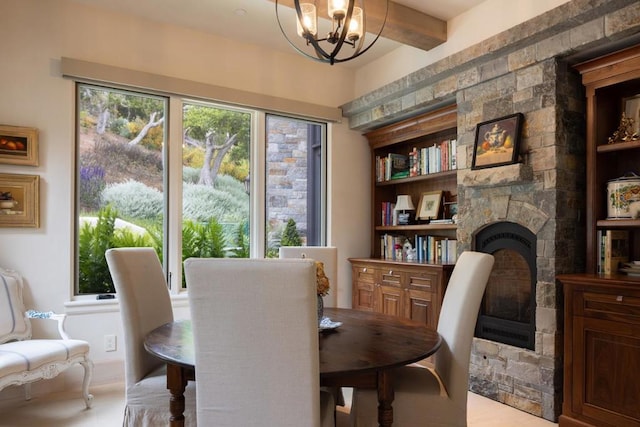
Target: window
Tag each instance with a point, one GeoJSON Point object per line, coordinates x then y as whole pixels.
{"type": "Point", "coordinates": [176, 175]}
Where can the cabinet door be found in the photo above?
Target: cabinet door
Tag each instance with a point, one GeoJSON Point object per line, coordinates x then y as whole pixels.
{"type": "Point", "coordinates": [390, 293]}
{"type": "Point", "coordinates": [606, 357]}
{"type": "Point", "coordinates": [364, 280]}
{"type": "Point", "coordinates": [418, 306]}
{"type": "Point", "coordinates": [421, 288]}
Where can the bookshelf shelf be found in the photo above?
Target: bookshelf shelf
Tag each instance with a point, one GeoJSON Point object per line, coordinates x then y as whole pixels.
{"type": "Point", "coordinates": [416, 227]}
{"type": "Point", "coordinates": [431, 176]}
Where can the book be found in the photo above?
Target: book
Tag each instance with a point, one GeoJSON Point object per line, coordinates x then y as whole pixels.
{"type": "Point", "coordinates": [616, 250]}
{"type": "Point", "coordinates": [398, 166]}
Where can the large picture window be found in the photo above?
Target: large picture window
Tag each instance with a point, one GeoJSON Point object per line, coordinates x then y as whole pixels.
{"type": "Point", "coordinates": [189, 178]}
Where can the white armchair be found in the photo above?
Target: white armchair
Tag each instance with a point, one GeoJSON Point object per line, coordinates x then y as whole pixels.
{"type": "Point", "coordinates": [24, 360]}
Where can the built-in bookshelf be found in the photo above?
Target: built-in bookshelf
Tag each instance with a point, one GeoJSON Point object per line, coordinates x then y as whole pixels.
{"type": "Point", "coordinates": [415, 157]}
{"type": "Point", "coordinates": [410, 263]}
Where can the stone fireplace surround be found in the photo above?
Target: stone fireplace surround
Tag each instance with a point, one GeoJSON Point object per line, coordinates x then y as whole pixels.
{"type": "Point", "coordinates": [525, 69]}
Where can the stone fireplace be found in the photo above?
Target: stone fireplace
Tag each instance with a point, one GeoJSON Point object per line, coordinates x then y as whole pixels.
{"type": "Point", "coordinates": [507, 312]}
{"type": "Point", "coordinates": [524, 70]}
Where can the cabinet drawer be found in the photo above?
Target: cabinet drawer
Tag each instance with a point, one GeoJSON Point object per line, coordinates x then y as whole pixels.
{"type": "Point", "coordinates": [423, 280]}
{"type": "Point", "coordinates": [608, 306]}
{"type": "Point", "coordinates": [364, 274]}
{"type": "Point", "coordinates": [390, 277]}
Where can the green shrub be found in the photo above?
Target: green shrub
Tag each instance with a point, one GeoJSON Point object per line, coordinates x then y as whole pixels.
{"type": "Point", "coordinates": [290, 236]}
{"type": "Point", "coordinates": [133, 199]}
{"type": "Point", "coordinates": [190, 175]}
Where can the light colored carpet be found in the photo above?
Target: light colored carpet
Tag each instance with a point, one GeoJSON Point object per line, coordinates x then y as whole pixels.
{"type": "Point", "coordinates": [67, 410]}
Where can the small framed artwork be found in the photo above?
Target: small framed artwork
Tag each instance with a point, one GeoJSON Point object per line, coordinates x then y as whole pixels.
{"type": "Point", "coordinates": [18, 145]}
{"type": "Point", "coordinates": [631, 107]}
{"type": "Point", "coordinates": [497, 142]}
{"type": "Point", "coordinates": [429, 206]}
{"type": "Point", "coordinates": [19, 200]}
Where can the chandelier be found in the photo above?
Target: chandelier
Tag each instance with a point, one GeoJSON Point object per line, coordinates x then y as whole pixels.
{"type": "Point", "coordinates": [347, 29]}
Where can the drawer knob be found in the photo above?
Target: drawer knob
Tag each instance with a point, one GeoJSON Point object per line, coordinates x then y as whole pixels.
{"type": "Point", "coordinates": [364, 270]}
{"type": "Point", "coordinates": [390, 271]}
{"type": "Point", "coordinates": [619, 298]}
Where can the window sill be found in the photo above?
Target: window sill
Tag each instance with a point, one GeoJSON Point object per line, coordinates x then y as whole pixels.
{"type": "Point", "coordinates": [94, 306]}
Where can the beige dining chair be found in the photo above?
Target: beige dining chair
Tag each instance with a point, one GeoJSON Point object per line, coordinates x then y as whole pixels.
{"type": "Point", "coordinates": [256, 342]}
{"type": "Point", "coordinates": [328, 255]}
{"type": "Point", "coordinates": [437, 396]}
{"type": "Point", "coordinates": [145, 304]}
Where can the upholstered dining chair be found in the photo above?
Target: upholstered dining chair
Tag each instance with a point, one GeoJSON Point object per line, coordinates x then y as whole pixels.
{"type": "Point", "coordinates": [256, 341]}
{"type": "Point", "coordinates": [328, 255]}
{"type": "Point", "coordinates": [145, 304]}
{"type": "Point", "coordinates": [437, 396]}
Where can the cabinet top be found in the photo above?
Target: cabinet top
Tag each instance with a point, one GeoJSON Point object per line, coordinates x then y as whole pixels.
{"type": "Point", "coordinates": [615, 282]}
{"type": "Point", "coordinates": [383, 262]}
{"type": "Point", "coordinates": [610, 69]}
{"type": "Point", "coordinates": [415, 127]}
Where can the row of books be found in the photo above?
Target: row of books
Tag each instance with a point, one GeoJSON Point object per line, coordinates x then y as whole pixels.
{"type": "Point", "coordinates": [425, 248]}
{"type": "Point", "coordinates": [436, 249]}
{"type": "Point", "coordinates": [614, 250]}
{"type": "Point", "coordinates": [439, 157]}
{"type": "Point", "coordinates": [389, 215]}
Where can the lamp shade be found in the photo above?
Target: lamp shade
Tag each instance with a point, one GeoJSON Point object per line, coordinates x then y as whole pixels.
{"type": "Point", "coordinates": [404, 203]}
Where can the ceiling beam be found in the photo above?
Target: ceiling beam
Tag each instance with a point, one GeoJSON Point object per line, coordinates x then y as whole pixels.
{"type": "Point", "coordinates": [404, 25]}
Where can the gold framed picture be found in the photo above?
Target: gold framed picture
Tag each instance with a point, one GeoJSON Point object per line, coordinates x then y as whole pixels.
{"type": "Point", "coordinates": [631, 107]}
{"type": "Point", "coordinates": [18, 145]}
{"type": "Point", "coordinates": [429, 206]}
{"type": "Point", "coordinates": [19, 200]}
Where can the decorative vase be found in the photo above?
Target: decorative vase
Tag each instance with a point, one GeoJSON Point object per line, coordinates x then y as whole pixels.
{"type": "Point", "coordinates": [320, 309]}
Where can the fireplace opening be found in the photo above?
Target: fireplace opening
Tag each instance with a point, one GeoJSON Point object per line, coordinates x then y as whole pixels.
{"type": "Point", "coordinates": [507, 312]}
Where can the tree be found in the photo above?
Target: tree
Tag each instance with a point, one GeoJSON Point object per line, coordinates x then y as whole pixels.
{"type": "Point", "coordinates": [290, 235]}
{"type": "Point", "coordinates": [217, 132]}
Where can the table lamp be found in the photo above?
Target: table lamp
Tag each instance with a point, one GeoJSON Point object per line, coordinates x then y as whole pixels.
{"type": "Point", "coordinates": [404, 204]}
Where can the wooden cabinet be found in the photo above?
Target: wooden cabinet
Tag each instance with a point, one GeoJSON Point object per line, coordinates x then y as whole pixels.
{"type": "Point", "coordinates": [601, 351]}
{"type": "Point", "coordinates": [609, 81]}
{"type": "Point", "coordinates": [602, 311]}
{"type": "Point", "coordinates": [394, 285]}
{"type": "Point", "coordinates": [400, 289]}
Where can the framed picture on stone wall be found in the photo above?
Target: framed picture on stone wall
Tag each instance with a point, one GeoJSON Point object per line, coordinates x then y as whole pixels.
{"type": "Point", "coordinates": [497, 142]}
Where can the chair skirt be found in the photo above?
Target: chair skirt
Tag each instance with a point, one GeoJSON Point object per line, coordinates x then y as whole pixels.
{"type": "Point", "coordinates": [148, 402]}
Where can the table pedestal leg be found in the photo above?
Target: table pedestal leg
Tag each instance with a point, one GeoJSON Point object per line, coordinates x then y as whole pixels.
{"type": "Point", "coordinates": [176, 383]}
{"type": "Point", "coordinates": [385, 399]}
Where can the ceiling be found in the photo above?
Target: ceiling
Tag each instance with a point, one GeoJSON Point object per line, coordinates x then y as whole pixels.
{"type": "Point", "coordinates": [254, 21]}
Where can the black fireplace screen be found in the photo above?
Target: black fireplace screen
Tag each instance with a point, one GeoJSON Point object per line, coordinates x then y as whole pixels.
{"type": "Point", "coordinates": [507, 313]}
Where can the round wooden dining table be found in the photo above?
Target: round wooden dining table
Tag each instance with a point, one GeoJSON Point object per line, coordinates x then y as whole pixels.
{"type": "Point", "coordinates": [362, 352]}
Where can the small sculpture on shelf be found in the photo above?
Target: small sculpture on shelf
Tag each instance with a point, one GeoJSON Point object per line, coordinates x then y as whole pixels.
{"type": "Point", "coordinates": [625, 132]}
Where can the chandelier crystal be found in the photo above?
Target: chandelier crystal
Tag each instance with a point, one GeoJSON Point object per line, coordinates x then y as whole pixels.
{"type": "Point", "coordinates": [347, 29]}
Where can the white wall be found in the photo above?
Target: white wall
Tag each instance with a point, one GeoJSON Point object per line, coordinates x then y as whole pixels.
{"type": "Point", "coordinates": [37, 33]}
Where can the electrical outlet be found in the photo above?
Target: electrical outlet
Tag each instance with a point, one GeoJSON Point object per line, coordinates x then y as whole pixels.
{"type": "Point", "coordinates": [109, 343]}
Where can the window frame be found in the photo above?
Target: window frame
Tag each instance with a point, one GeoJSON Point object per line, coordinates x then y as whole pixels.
{"type": "Point", "coordinates": [172, 178]}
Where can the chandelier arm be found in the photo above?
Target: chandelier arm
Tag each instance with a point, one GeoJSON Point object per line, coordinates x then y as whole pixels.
{"type": "Point", "coordinates": [322, 55]}
{"type": "Point", "coordinates": [343, 33]}
{"type": "Point", "coordinates": [386, 14]}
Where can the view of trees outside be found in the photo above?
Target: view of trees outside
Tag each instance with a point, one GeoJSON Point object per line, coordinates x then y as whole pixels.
{"type": "Point", "coordinates": [122, 171]}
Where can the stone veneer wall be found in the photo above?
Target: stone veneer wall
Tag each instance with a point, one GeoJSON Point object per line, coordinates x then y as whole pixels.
{"type": "Point", "coordinates": [525, 69]}
{"type": "Point", "coordinates": [287, 173]}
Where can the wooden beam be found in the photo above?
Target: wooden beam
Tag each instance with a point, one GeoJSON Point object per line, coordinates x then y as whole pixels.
{"type": "Point", "coordinates": [404, 25]}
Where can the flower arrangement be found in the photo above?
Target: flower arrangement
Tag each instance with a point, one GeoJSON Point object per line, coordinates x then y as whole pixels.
{"type": "Point", "coordinates": [322, 281]}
